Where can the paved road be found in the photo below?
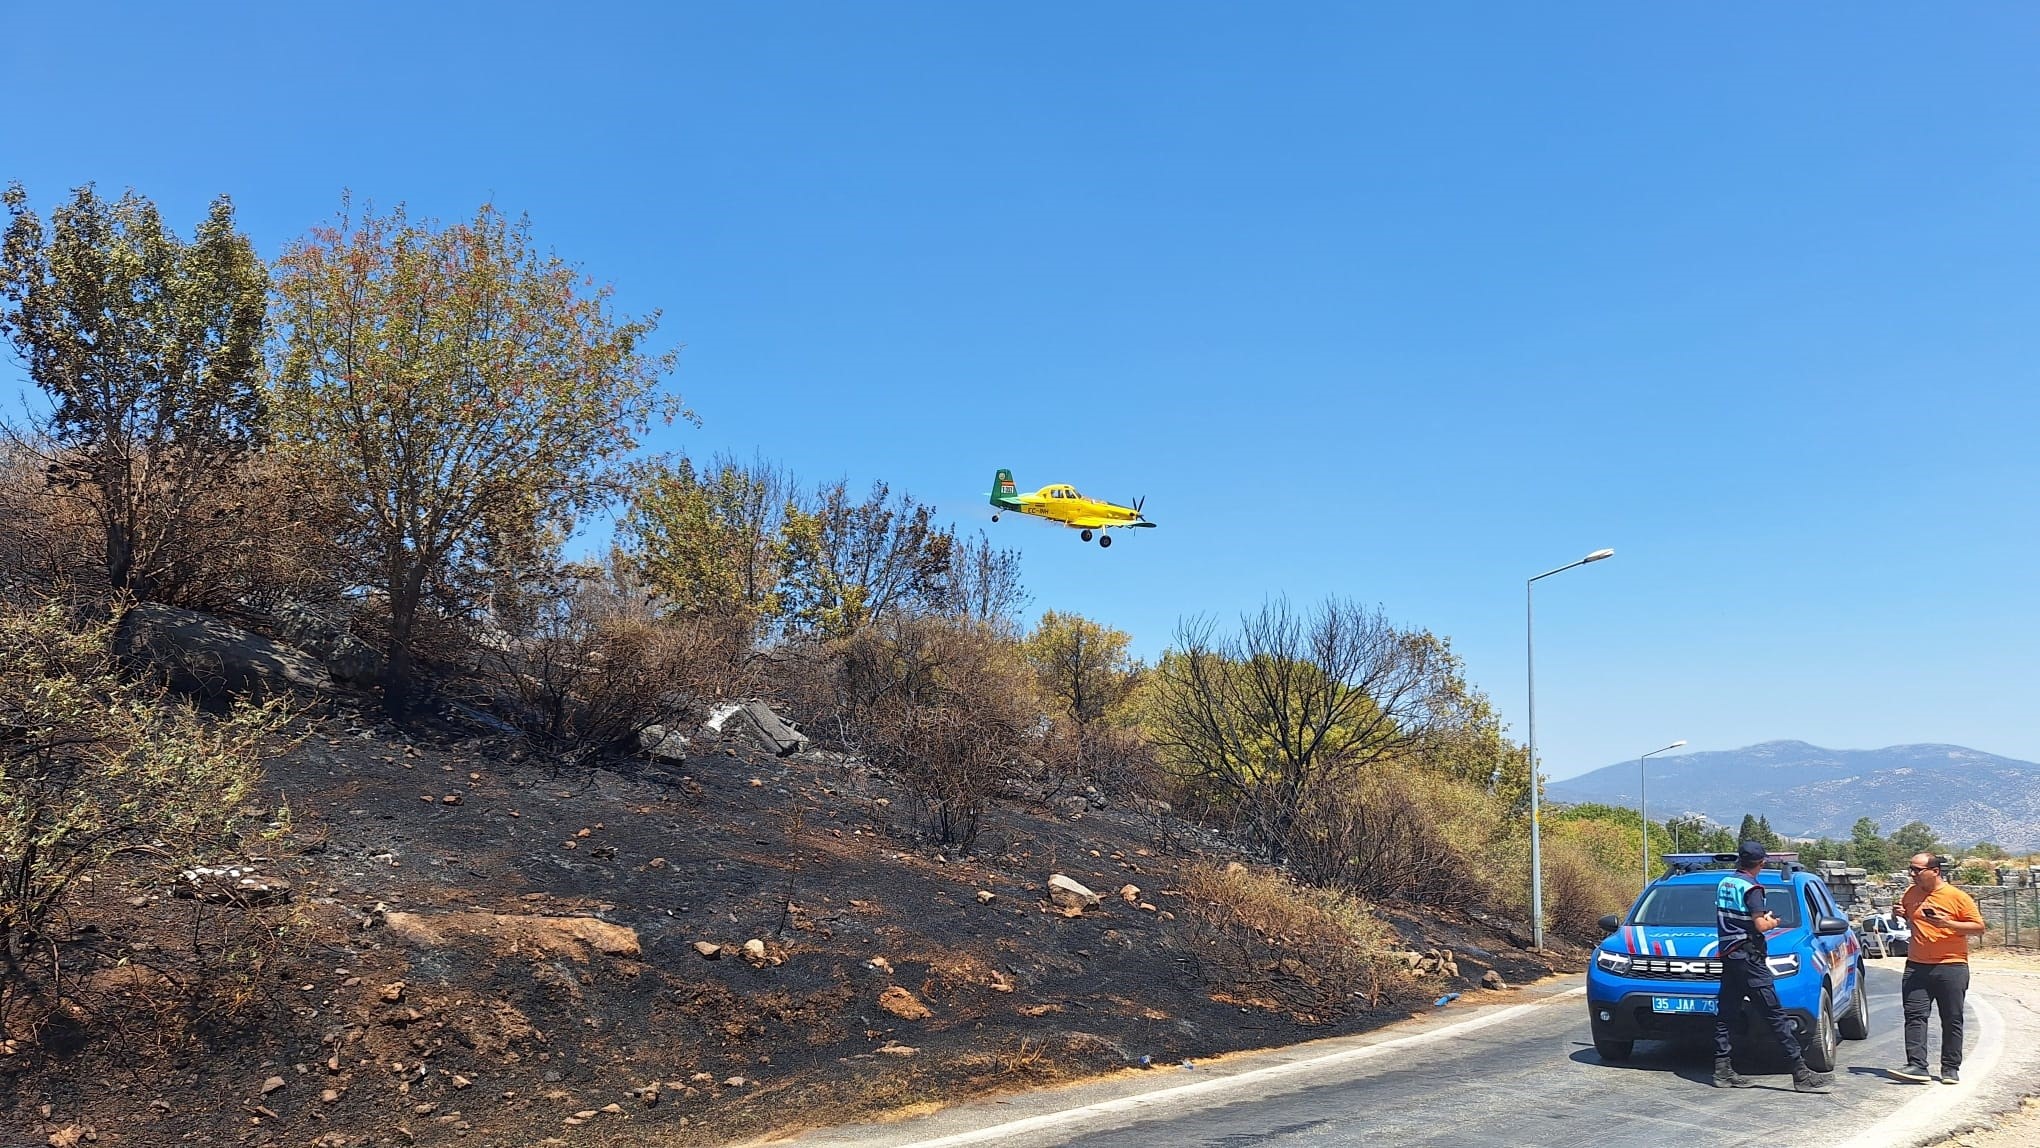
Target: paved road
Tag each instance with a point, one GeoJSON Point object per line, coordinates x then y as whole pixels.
{"type": "Point", "coordinates": [1509, 1076]}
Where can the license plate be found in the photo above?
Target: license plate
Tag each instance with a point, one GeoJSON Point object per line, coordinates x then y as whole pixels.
{"type": "Point", "coordinates": [1685, 1004]}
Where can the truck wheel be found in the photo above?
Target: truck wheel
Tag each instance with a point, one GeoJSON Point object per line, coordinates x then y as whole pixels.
{"type": "Point", "coordinates": [1613, 1050]}
{"type": "Point", "coordinates": [1855, 1024]}
{"type": "Point", "coordinates": [1819, 1050]}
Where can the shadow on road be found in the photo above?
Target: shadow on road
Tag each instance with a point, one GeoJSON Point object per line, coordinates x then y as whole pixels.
{"type": "Point", "coordinates": [1884, 1074]}
{"type": "Point", "coordinates": [1677, 1060]}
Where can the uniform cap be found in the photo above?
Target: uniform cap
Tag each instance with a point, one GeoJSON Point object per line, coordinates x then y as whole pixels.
{"type": "Point", "coordinates": [1751, 853]}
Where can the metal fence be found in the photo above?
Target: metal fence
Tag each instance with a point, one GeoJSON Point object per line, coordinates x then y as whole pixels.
{"type": "Point", "coordinates": [2011, 913]}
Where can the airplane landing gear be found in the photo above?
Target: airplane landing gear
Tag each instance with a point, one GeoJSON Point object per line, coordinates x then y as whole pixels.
{"type": "Point", "coordinates": [995, 518]}
{"type": "Point", "coordinates": [1104, 540]}
{"type": "Point", "coordinates": [1087, 536]}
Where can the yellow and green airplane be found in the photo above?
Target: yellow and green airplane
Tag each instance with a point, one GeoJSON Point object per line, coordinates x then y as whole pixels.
{"type": "Point", "coordinates": [1061, 503]}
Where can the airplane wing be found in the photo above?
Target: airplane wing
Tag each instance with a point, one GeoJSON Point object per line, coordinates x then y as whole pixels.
{"type": "Point", "coordinates": [1104, 523]}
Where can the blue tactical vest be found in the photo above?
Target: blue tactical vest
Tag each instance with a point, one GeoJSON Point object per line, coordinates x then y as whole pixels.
{"type": "Point", "coordinates": [1735, 927]}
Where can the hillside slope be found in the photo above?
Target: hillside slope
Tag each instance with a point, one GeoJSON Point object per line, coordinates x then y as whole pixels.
{"type": "Point", "coordinates": [491, 949]}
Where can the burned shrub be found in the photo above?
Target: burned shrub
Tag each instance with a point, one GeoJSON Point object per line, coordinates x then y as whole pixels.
{"type": "Point", "coordinates": [597, 665]}
{"type": "Point", "coordinates": [945, 705]}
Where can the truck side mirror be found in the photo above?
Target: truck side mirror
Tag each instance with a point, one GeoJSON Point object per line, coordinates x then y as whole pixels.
{"type": "Point", "coordinates": [1610, 923]}
{"type": "Point", "coordinates": [1830, 927]}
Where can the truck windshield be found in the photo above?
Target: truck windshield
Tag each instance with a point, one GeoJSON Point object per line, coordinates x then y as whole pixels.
{"type": "Point", "coordinates": [1693, 905]}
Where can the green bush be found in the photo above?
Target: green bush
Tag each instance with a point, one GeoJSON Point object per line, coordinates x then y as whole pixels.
{"type": "Point", "coordinates": [96, 767]}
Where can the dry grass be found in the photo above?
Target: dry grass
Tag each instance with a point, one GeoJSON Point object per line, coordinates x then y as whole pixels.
{"type": "Point", "coordinates": [1313, 953]}
{"type": "Point", "coordinates": [1579, 889]}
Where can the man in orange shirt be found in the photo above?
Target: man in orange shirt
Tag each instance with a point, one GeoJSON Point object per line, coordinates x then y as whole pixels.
{"type": "Point", "coordinates": [1936, 966]}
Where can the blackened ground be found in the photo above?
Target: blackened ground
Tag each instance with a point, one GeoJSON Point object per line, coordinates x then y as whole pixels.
{"type": "Point", "coordinates": [433, 987]}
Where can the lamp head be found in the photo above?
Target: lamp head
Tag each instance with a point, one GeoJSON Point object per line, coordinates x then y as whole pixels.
{"type": "Point", "coordinates": [1597, 555]}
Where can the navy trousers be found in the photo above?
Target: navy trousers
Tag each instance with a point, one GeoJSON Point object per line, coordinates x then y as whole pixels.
{"type": "Point", "coordinates": [1749, 984]}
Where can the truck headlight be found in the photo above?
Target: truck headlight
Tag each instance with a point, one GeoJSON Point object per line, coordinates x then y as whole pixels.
{"type": "Point", "coordinates": [1785, 966]}
{"type": "Point", "coordinates": [1611, 962]}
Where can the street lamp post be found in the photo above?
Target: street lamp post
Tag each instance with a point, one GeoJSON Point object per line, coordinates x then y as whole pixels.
{"type": "Point", "coordinates": [1530, 665]}
{"type": "Point", "coordinates": [1641, 815]}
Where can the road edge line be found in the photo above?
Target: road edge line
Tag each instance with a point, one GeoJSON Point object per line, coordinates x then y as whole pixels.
{"type": "Point", "coordinates": [1222, 1083]}
{"type": "Point", "coordinates": [1917, 1118]}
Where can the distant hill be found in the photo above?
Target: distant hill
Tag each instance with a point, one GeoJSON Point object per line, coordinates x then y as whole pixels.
{"type": "Point", "coordinates": [1807, 791]}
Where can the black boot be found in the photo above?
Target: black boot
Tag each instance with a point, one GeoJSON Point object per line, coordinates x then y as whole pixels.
{"type": "Point", "coordinates": [1805, 1079]}
{"type": "Point", "coordinates": [1725, 1075]}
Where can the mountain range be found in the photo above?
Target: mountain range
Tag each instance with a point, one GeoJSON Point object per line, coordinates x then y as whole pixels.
{"type": "Point", "coordinates": [1966, 795]}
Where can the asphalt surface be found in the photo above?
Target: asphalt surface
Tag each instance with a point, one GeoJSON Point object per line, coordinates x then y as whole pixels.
{"type": "Point", "coordinates": [1508, 1074]}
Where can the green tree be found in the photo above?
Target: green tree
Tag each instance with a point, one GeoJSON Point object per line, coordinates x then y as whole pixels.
{"type": "Point", "coordinates": [1082, 671]}
{"type": "Point", "coordinates": [1988, 851]}
{"type": "Point", "coordinates": [1823, 849]}
{"type": "Point", "coordinates": [1758, 829]}
{"type": "Point", "coordinates": [1914, 837]}
{"type": "Point", "coordinates": [150, 350]}
{"type": "Point", "coordinates": [1696, 834]}
{"type": "Point", "coordinates": [1867, 847]}
{"type": "Point", "coordinates": [467, 394]}
{"type": "Point", "coordinates": [709, 541]}
{"type": "Point", "coordinates": [1475, 750]}
{"type": "Point", "coordinates": [851, 563]}
{"type": "Point", "coordinates": [1081, 666]}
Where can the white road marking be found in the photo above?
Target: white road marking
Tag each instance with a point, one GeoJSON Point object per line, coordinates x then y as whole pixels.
{"type": "Point", "coordinates": [1918, 1117]}
{"type": "Point", "coordinates": [1226, 1083]}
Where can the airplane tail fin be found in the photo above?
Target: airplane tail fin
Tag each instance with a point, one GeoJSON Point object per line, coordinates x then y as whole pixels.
{"type": "Point", "coordinates": [1004, 493]}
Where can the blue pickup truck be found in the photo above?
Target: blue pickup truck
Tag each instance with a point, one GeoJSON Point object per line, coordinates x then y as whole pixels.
{"type": "Point", "coordinates": [1656, 976]}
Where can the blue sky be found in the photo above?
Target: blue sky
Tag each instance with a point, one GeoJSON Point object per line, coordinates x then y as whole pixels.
{"type": "Point", "coordinates": [1399, 304]}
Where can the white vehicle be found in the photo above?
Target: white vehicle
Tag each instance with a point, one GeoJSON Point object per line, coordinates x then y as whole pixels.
{"type": "Point", "coordinates": [1888, 935]}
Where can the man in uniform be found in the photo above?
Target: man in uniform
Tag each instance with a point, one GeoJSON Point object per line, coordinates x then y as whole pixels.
{"type": "Point", "coordinates": [1740, 921]}
{"type": "Point", "coordinates": [1936, 966]}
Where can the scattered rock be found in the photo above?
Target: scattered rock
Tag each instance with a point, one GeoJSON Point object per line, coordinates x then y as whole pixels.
{"type": "Point", "coordinates": [199, 654]}
{"type": "Point", "coordinates": [986, 896]}
{"type": "Point", "coordinates": [894, 1048]}
{"type": "Point", "coordinates": [754, 951]}
{"type": "Point", "coordinates": [903, 1004]}
{"type": "Point", "coordinates": [735, 1082]}
{"type": "Point", "coordinates": [393, 992]}
{"type": "Point", "coordinates": [1071, 894]}
{"type": "Point", "coordinates": [1492, 980]}
{"type": "Point", "coordinates": [570, 937]}
{"type": "Point", "coordinates": [1130, 894]}
{"type": "Point", "coordinates": [271, 1085]}
{"type": "Point", "coordinates": [881, 964]}
{"type": "Point", "coordinates": [663, 744]}
{"type": "Point", "coordinates": [757, 720]}
{"type": "Point", "coordinates": [231, 885]}
{"type": "Point", "coordinates": [709, 950]}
